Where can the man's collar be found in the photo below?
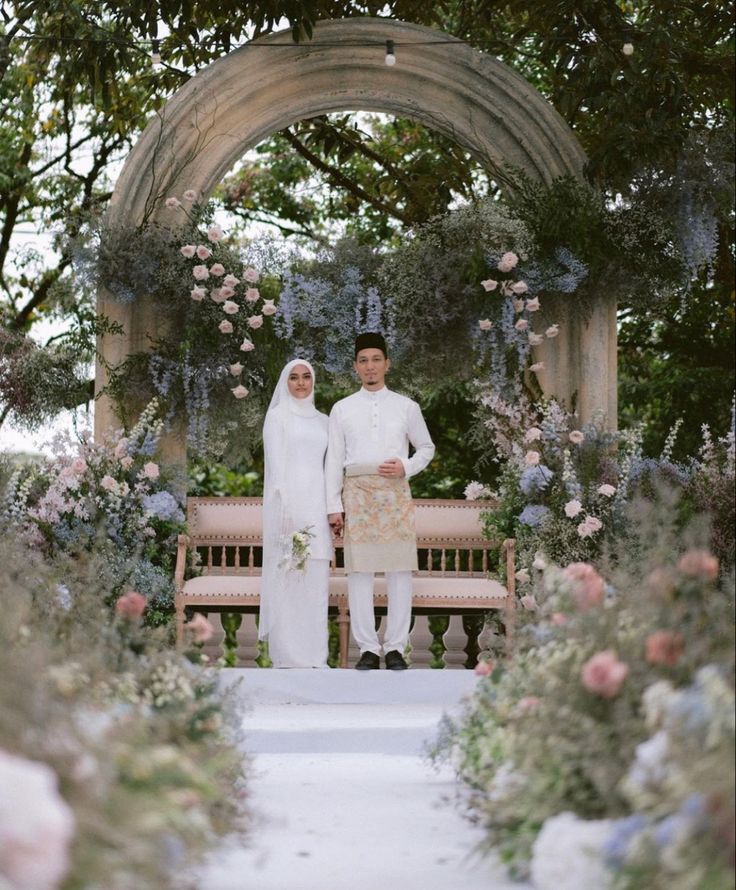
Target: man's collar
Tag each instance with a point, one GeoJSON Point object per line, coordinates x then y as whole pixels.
{"type": "Point", "coordinates": [380, 393]}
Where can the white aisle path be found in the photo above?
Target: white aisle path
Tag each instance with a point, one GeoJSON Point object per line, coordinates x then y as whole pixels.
{"type": "Point", "coordinates": [342, 793]}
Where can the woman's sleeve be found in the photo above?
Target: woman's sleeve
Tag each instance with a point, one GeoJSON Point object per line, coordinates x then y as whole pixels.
{"type": "Point", "coordinates": [275, 487]}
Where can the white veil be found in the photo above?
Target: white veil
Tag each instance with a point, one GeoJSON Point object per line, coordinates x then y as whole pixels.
{"type": "Point", "coordinates": [277, 524]}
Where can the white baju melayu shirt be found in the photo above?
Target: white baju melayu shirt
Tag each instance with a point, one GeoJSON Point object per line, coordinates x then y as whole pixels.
{"type": "Point", "coordinates": [368, 428]}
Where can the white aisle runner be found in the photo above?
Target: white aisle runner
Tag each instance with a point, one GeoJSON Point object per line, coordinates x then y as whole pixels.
{"type": "Point", "coordinates": [342, 794]}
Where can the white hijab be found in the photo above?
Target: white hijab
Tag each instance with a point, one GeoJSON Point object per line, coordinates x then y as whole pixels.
{"type": "Point", "coordinates": [281, 411]}
{"type": "Point", "coordinates": [283, 401]}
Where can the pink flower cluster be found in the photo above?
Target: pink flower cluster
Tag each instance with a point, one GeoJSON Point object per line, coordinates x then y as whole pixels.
{"type": "Point", "coordinates": [514, 290]}
{"type": "Point", "coordinates": [226, 290]}
{"type": "Point", "coordinates": [604, 674]}
{"type": "Point", "coordinates": [588, 587]}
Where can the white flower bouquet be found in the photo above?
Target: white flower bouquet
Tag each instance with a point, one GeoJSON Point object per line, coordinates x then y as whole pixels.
{"type": "Point", "coordinates": [297, 549]}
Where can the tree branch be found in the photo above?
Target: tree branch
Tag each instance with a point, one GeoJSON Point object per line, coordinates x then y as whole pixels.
{"type": "Point", "coordinates": [345, 182]}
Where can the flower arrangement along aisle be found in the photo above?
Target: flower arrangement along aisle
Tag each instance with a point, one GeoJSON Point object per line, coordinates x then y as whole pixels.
{"type": "Point", "coordinates": [118, 759]}
{"type": "Point", "coordinates": [210, 312]}
{"type": "Point", "coordinates": [602, 755]}
{"type": "Point", "coordinates": [111, 498]}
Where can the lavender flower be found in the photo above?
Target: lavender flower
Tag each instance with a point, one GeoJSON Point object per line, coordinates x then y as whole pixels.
{"type": "Point", "coordinates": [533, 515]}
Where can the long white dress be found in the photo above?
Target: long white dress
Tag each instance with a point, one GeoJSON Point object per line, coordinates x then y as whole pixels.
{"type": "Point", "coordinates": [294, 603]}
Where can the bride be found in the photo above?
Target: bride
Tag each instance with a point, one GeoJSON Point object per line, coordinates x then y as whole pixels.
{"type": "Point", "coordinates": [293, 613]}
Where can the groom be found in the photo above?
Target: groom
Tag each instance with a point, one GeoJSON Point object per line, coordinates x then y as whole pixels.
{"type": "Point", "coordinates": [366, 471]}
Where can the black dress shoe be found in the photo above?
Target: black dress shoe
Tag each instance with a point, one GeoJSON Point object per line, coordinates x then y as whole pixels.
{"type": "Point", "coordinates": [368, 661]}
{"type": "Point", "coordinates": [395, 661]}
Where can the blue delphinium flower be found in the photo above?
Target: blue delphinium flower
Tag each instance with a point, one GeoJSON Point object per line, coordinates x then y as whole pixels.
{"type": "Point", "coordinates": [535, 479]}
{"type": "Point", "coordinates": [163, 505]}
{"type": "Point", "coordinates": [533, 515]}
{"type": "Point", "coordinates": [616, 846]}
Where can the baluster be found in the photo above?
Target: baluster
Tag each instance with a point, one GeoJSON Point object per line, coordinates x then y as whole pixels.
{"type": "Point", "coordinates": [429, 560]}
{"type": "Point", "coordinates": [251, 560]}
{"type": "Point", "coordinates": [223, 558]}
{"type": "Point", "coordinates": [209, 559]}
{"type": "Point", "coordinates": [237, 556]}
{"type": "Point", "coordinates": [457, 561]}
{"type": "Point", "coordinates": [485, 561]}
{"type": "Point", "coordinates": [443, 561]}
{"type": "Point", "coordinates": [455, 640]}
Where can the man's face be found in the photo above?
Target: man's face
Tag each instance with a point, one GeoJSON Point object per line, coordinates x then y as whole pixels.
{"type": "Point", "coordinates": [371, 366]}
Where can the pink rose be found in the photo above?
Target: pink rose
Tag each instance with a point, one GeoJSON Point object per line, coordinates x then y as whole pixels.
{"type": "Point", "coordinates": [489, 284]}
{"type": "Point", "coordinates": [268, 307]}
{"type": "Point", "coordinates": [150, 470]}
{"type": "Point", "coordinates": [236, 370]}
{"type": "Point", "coordinates": [255, 322]}
{"type": "Point", "coordinates": [572, 508]}
{"type": "Point", "coordinates": [518, 305]}
{"type": "Point", "coordinates": [529, 602]}
{"type": "Point", "coordinates": [190, 195]}
{"type": "Point", "coordinates": [576, 437]}
{"type": "Point", "coordinates": [216, 295]}
{"type": "Point", "coordinates": [484, 668]}
{"type": "Point", "coordinates": [79, 465]}
{"type": "Point", "coordinates": [126, 462]}
{"type": "Point", "coordinates": [203, 252]}
{"type": "Point", "coordinates": [589, 589]}
{"type": "Point", "coordinates": [198, 293]}
{"type": "Point", "coordinates": [225, 327]}
{"type": "Point", "coordinates": [200, 628]}
{"type": "Point", "coordinates": [532, 434]}
{"type": "Point", "coordinates": [250, 274]}
{"type": "Point", "coordinates": [589, 526]}
{"type": "Point", "coordinates": [604, 674]}
{"type": "Point", "coordinates": [121, 448]}
{"type": "Point", "coordinates": [217, 269]}
{"type": "Point", "coordinates": [534, 339]}
{"type": "Point", "coordinates": [252, 294]}
{"type": "Point", "coordinates": [558, 619]}
{"type": "Point", "coordinates": [552, 331]}
{"type": "Point", "coordinates": [201, 273]}
{"type": "Point", "coordinates": [537, 366]}
{"type": "Point", "coordinates": [215, 233]}
{"type": "Point", "coordinates": [522, 324]}
{"type": "Point", "coordinates": [172, 203]}
{"type": "Point", "coordinates": [230, 281]}
{"type": "Point", "coordinates": [532, 305]}
{"type": "Point", "coordinates": [188, 251]}
{"type": "Point", "coordinates": [131, 605]}
{"type": "Point", "coordinates": [240, 392]}
{"type": "Point", "coordinates": [608, 491]}
{"type": "Point", "coordinates": [698, 564]}
{"type": "Point", "coordinates": [519, 287]}
{"type": "Point", "coordinates": [664, 647]}
{"type": "Point", "coordinates": [528, 704]}
{"type": "Point", "coordinates": [226, 292]}
{"type": "Point", "coordinates": [507, 262]}
{"type": "Point", "coordinates": [230, 308]}
{"type": "Point", "coordinates": [485, 324]}
{"type": "Point", "coordinates": [108, 483]}
{"type": "Point", "coordinates": [531, 458]}
{"type": "Point", "coordinates": [247, 345]}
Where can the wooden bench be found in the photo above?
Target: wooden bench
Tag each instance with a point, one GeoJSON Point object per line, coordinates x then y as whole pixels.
{"type": "Point", "coordinates": [223, 547]}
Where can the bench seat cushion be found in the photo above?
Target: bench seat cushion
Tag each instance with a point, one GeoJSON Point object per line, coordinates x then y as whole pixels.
{"type": "Point", "coordinates": [473, 591]}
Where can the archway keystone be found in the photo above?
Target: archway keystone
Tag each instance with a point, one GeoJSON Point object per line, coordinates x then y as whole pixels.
{"type": "Point", "coordinates": [253, 92]}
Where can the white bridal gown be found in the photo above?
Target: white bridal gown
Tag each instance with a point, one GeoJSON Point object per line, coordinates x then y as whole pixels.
{"type": "Point", "coordinates": [294, 603]}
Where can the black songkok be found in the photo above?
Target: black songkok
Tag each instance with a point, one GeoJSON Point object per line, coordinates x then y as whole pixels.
{"type": "Point", "coordinates": [370, 340]}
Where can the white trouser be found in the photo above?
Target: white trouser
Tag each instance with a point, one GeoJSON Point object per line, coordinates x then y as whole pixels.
{"type": "Point", "coordinates": [362, 614]}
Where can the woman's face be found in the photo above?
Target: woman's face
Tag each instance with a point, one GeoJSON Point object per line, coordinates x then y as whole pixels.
{"type": "Point", "coordinates": [300, 381]}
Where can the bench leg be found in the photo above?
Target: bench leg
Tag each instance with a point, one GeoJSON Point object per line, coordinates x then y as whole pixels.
{"type": "Point", "coordinates": [343, 624]}
{"type": "Point", "coordinates": [179, 626]}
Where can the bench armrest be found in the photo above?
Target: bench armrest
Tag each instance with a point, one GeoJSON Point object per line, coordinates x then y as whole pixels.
{"type": "Point", "coordinates": [182, 542]}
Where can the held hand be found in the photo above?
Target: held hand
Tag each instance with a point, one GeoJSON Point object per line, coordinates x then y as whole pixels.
{"type": "Point", "coordinates": [336, 523]}
{"type": "Point", "coordinates": [393, 468]}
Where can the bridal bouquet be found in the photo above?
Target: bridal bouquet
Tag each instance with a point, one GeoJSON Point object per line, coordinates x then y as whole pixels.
{"type": "Point", "coordinates": [298, 547]}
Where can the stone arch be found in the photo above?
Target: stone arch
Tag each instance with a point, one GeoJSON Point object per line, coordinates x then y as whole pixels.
{"type": "Point", "coordinates": [262, 87]}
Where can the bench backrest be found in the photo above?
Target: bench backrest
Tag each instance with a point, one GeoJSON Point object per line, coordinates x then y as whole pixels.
{"type": "Point", "coordinates": [449, 534]}
{"type": "Point", "coordinates": [217, 520]}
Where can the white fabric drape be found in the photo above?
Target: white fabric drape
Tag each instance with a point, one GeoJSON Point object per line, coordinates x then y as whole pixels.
{"type": "Point", "coordinates": [293, 613]}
